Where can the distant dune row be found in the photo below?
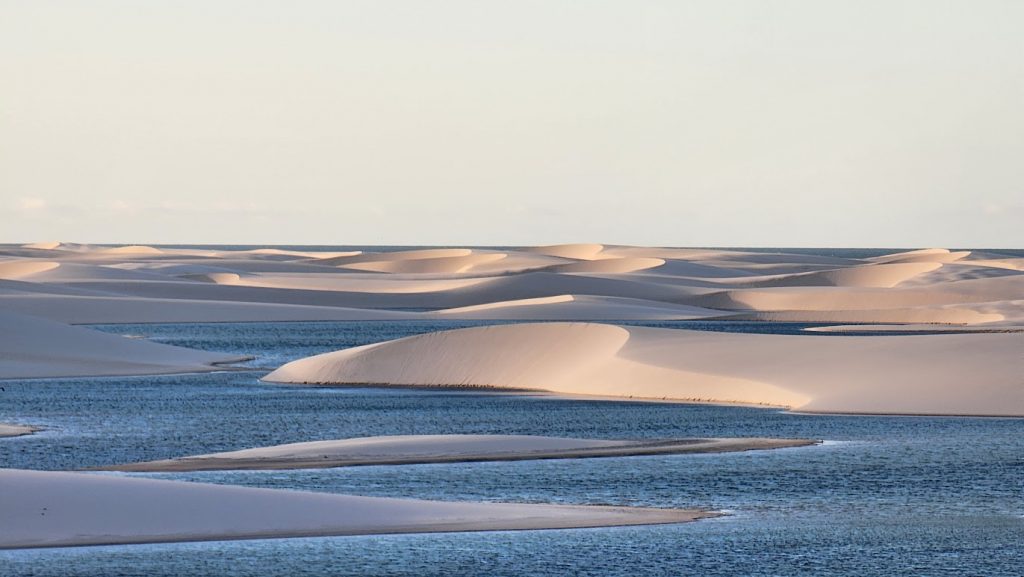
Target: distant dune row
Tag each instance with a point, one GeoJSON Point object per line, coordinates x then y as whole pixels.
{"type": "Point", "coordinates": [82, 284]}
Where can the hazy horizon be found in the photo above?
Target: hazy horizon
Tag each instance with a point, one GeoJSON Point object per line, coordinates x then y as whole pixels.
{"type": "Point", "coordinates": [742, 124]}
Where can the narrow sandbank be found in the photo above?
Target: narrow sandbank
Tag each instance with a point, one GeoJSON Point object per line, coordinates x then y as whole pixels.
{"type": "Point", "coordinates": [57, 509]}
{"type": "Point", "coordinates": [8, 430]}
{"type": "Point", "coordinates": [420, 449]}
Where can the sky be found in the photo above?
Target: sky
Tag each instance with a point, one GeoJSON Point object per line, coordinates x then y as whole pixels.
{"type": "Point", "coordinates": [677, 123]}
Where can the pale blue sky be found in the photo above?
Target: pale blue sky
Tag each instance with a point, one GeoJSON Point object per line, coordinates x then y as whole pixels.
{"type": "Point", "coordinates": [728, 123]}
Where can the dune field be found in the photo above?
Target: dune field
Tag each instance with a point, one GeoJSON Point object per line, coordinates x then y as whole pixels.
{"type": "Point", "coordinates": [964, 355]}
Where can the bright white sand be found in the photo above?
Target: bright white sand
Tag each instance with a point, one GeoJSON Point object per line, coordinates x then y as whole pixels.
{"type": "Point", "coordinates": [34, 347]}
{"type": "Point", "coordinates": [973, 374]}
{"type": "Point", "coordinates": [51, 509]}
{"type": "Point", "coordinates": [416, 449]}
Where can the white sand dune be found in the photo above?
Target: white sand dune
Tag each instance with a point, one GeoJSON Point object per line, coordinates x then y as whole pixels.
{"type": "Point", "coordinates": [865, 298]}
{"type": "Point", "coordinates": [879, 276]}
{"type": "Point", "coordinates": [948, 314]}
{"type": "Point", "coordinates": [571, 251]}
{"type": "Point", "coordinates": [9, 430]}
{"type": "Point", "coordinates": [215, 277]}
{"type": "Point", "coordinates": [976, 374]}
{"type": "Point", "coordinates": [288, 254]}
{"type": "Point", "coordinates": [131, 250]}
{"type": "Point", "coordinates": [610, 265]}
{"type": "Point", "coordinates": [34, 347]}
{"type": "Point", "coordinates": [940, 255]}
{"type": "Point", "coordinates": [605, 283]}
{"type": "Point", "coordinates": [106, 309]}
{"type": "Point", "coordinates": [54, 509]}
{"type": "Point", "coordinates": [45, 245]}
{"type": "Point", "coordinates": [420, 449]}
{"type": "Point", "coordinates": [17, 269]}
{"type": "Point", "coordinates": [578, 307]}
{"type": "Point", "coordinates": [439, 265]}
{"type": "Point", "coordinates": [396, 256]}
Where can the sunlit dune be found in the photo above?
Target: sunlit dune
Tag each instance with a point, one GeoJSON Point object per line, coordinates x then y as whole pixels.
{"type": "Point", "coordinates": [887, 374]}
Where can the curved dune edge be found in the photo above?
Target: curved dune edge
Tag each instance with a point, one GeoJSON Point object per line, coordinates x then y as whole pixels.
{"type": "Point", "coordinates": [57, 509]}
{"type": "Point", "coordinates": [33, 347]}
{"type": "Point", "coordinates": [8, 430]}
{"type": "Point", "coordinates": [951, 374]}
{"type": "Point", "coordinates": [422, 449]}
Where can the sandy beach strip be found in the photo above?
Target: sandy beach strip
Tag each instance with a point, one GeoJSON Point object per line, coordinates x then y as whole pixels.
{"type": "Point", "coordinates": [421, 449]}
{"type": "Point", "coordinates": [58, 509]}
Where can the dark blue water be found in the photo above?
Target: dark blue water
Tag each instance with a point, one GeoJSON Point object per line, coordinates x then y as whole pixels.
{"type": "Point", "coordinates": [883, 496]}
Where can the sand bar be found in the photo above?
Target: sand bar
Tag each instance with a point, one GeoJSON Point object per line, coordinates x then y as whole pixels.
{"type": "Point", "coordinates": [57, 509]}
{"type": "Point", "coordinates": [419, 449]}
{"type": "Point", "coordinates": [9, 430]}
